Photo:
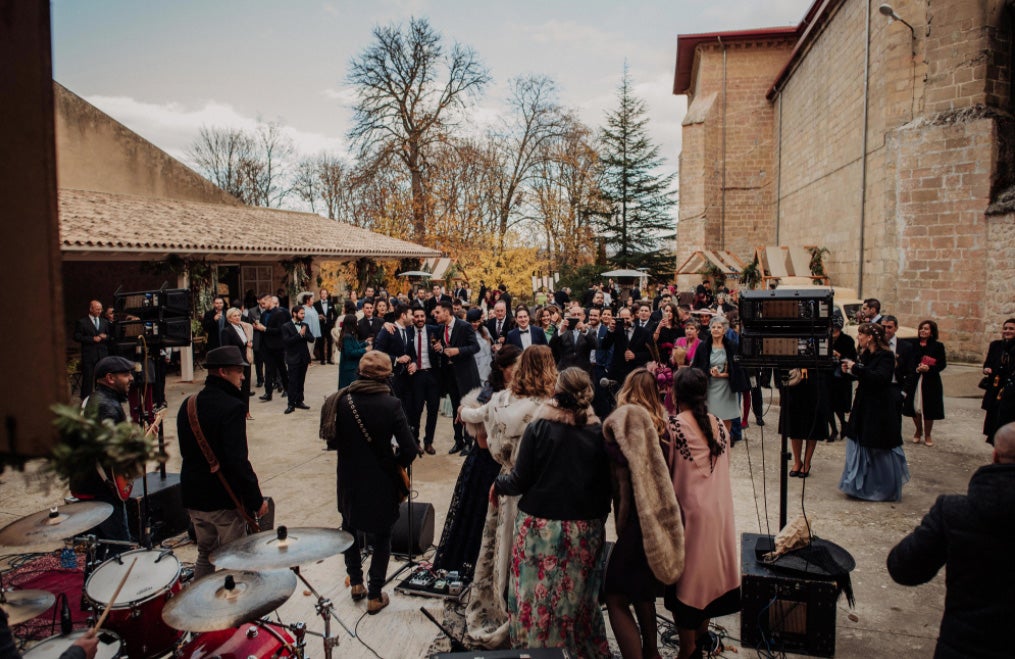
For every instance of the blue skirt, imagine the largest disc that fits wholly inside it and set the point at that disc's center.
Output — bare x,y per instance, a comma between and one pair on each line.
874,474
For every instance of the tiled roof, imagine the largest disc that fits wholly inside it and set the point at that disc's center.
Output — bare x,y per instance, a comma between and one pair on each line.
103,225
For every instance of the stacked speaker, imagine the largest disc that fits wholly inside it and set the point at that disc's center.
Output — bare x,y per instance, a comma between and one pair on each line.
787,328
160,317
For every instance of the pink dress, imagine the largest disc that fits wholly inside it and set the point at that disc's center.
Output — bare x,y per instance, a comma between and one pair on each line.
682,342
703,490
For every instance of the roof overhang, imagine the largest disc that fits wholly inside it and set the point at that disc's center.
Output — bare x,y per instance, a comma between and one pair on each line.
687,45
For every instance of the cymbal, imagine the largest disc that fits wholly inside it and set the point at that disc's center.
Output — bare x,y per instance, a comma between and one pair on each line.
50,527
23,605
228,598
281,548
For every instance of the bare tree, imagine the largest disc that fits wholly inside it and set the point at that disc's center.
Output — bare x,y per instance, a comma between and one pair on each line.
324,183
250,165
408,87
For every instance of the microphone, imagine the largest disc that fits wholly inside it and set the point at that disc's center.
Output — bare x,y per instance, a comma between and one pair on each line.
607,383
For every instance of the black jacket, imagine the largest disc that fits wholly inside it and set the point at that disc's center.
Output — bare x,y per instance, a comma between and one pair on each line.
213,328
738,379
110,406
876,418
617,340
562,472
273,328
568,351
973,534
369,327
327,319
462,365
367,496
506,326
85,333
296,351
221,411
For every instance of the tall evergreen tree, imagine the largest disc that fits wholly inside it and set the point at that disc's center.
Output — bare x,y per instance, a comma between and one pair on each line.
640,198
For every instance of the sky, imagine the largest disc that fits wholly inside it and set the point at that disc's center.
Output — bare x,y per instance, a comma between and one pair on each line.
165,69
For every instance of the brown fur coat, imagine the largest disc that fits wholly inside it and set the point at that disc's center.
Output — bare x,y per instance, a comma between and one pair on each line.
645,482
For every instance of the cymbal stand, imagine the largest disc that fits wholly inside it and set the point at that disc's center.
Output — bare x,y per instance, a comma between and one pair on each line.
326,609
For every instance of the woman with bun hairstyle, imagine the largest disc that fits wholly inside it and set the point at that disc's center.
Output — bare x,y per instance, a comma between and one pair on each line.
562,475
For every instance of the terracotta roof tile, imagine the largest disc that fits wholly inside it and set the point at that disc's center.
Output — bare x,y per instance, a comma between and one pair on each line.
151,227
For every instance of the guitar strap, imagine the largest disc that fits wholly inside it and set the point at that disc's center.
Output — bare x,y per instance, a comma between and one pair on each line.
213,462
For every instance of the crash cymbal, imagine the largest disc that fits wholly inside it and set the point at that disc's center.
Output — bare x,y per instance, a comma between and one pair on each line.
228,598
23,605
281,548
50,527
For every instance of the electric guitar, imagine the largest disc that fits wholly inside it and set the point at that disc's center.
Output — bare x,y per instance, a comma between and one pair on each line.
123,485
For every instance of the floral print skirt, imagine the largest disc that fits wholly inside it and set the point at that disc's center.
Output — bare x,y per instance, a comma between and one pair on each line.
554,586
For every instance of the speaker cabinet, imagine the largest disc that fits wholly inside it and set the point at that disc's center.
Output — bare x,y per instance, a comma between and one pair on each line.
782,613
422,528
167,512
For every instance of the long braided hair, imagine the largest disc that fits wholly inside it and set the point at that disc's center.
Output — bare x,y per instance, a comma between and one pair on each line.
690,389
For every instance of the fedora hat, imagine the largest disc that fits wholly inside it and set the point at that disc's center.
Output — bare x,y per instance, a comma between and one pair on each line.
224,356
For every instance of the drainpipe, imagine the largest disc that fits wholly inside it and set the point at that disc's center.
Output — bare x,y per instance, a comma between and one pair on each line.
863,145
778,175
722,214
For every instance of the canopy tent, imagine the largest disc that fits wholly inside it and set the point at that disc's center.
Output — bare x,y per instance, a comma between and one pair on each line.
786,264
700,259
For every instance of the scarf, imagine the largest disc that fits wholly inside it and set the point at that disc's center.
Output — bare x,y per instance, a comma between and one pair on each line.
329,411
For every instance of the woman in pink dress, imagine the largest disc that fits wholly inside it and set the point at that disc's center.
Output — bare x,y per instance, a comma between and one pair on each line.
698,454
689,341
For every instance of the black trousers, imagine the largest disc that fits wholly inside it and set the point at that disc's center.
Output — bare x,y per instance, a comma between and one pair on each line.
259,364
381,543
602,401
449,385
426,391
297,380
274,361
324,347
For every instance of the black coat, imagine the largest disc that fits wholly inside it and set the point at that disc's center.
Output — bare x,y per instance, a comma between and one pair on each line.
221,411
876,418
840,385
367,494
296,351
738,378
109,405
617,340
567,351
85,333
932,389
369,327
462,365
506,326
972,534
213,328
273,328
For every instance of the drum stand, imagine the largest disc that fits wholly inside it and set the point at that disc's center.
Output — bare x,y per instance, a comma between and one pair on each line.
326,609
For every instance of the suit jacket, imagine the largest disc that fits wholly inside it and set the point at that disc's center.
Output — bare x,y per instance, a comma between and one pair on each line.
617,340
506,326
431,304
463,365
273,329
369,327
229,337
254,316
213,328
514,337
85,333
904,358
393,346
296,351
327,318
571,352
604,356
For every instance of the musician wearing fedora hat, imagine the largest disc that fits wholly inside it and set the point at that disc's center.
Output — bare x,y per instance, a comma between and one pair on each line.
216,416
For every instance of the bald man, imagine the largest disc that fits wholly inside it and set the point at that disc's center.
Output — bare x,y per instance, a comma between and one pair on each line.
974,535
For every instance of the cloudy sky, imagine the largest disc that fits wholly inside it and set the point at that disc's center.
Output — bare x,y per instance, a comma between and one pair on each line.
164,69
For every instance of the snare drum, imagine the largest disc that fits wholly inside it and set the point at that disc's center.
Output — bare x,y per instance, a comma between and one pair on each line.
259,640
137,614
110,646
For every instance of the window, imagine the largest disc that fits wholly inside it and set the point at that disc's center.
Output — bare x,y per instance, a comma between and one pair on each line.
257,278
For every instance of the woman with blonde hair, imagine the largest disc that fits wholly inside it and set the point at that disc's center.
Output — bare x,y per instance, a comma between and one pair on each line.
649,551
522,381
562,475
240,334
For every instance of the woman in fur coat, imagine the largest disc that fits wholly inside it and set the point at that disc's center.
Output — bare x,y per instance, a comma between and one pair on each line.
502,420
650,532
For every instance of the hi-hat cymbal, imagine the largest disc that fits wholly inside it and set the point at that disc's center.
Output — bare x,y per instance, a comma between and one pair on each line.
228,598
281,548
50,527
23,605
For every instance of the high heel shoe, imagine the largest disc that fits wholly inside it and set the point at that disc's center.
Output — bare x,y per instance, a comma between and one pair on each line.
928,441
917,439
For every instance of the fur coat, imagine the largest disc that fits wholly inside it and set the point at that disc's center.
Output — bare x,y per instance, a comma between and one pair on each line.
645,483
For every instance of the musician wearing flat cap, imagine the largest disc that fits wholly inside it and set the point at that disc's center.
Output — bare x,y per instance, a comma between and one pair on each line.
216,418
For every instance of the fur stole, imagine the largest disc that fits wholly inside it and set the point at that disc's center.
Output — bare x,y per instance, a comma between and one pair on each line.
553,412
471,401
647,480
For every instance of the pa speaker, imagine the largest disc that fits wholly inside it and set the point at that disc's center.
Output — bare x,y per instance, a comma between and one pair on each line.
167,512
422,517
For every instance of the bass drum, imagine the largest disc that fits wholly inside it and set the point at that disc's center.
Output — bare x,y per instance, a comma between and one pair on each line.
257,640
137,613
110,646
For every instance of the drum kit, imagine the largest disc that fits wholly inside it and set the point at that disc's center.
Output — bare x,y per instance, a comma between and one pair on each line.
144,609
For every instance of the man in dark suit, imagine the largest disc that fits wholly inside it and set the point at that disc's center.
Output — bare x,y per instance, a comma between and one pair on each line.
457,344
436,298
630,346
213,322
254,317
524,335
92,332
424,372
460,293
571,345
904,356
273,347
398,345
328,313
599,359
499,324
369,325
295,337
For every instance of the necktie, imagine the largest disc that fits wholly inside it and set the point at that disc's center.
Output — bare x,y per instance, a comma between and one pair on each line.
402,332
447,334
96,323
419,349
500,325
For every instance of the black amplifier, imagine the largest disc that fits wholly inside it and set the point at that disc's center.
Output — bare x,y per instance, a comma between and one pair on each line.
169,332
782,613
780,349
787,307
148,304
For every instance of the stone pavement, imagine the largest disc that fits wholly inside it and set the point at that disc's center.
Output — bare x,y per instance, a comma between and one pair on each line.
891,620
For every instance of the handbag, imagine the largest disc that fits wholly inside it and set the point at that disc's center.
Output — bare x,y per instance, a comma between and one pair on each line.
795,376
401,479
213,464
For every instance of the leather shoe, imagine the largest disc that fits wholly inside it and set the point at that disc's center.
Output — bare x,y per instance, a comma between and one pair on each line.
455,449
429,449
250,393
302,406
260,383
374,606
266,397
285,394
359,591
419,449
290,409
